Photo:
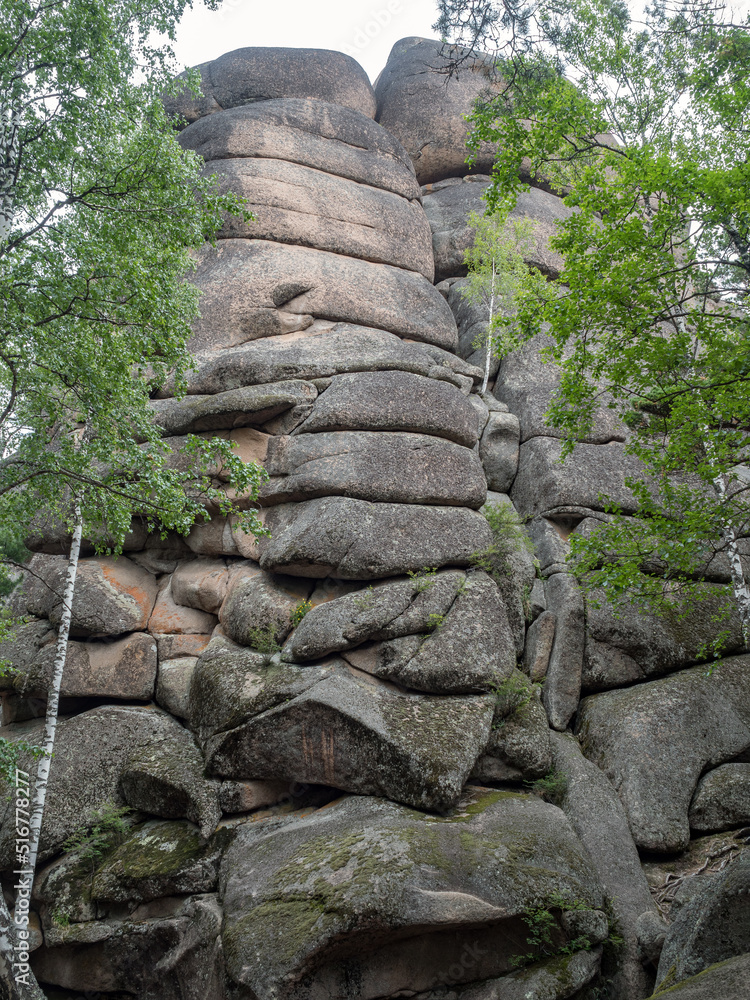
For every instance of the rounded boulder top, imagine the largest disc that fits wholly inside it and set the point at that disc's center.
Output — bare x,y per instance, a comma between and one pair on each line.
423,93
248,75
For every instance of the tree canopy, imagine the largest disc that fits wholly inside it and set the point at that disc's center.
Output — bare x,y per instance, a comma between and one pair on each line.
641,122
99,208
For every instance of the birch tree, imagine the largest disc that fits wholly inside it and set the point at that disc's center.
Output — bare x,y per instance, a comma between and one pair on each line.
651,308
99,210
499,279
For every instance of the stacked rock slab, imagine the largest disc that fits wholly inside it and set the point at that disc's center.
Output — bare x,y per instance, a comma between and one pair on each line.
326,736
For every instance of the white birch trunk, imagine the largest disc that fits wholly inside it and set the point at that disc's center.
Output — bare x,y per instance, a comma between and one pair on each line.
8,156
53,699
15,981
488,351
739,583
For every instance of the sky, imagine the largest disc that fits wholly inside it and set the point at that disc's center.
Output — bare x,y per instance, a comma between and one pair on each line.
364,29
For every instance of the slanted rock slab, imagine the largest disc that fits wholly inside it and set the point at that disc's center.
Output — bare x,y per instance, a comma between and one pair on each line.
654,740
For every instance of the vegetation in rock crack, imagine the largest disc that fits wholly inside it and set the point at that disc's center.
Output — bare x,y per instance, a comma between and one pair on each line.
365,599
264,638
435,621
551,786
508,536
544,931
297,614
512,694
106,827
639,121
499,280
422,579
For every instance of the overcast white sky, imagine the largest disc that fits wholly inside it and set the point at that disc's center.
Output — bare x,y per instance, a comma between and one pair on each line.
365,29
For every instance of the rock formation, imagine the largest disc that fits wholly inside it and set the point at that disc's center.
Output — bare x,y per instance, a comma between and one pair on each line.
332,740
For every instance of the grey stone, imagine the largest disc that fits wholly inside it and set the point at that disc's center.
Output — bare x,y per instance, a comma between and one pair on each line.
447,208
260,73
722,799
724,979
365,863
167,950
159,859
393,401
123,669
425,107
201,584
164,777
245,796
174,647
498,450
111,596
626,643
326,351
654,740
387,610
348,730
305,207
357,540
598,818
173,683
514,568
470,649
539,641
651,931
528,382
379,466
711,927
562,687
537,600
91,752
232,683
550,537
247,406
553,979
252,289
592,473
520,737
169,617
326,137
260,607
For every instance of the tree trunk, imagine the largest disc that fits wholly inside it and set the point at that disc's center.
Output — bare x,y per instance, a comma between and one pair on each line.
53,699
488,351
739,583
8,157
25,987
16,982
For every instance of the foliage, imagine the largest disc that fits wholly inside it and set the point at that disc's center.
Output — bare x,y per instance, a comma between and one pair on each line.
106,827
641,124
542,925
508,536
499,280
298,613
551,786
264,638
435,622
99,208
422,579
512,694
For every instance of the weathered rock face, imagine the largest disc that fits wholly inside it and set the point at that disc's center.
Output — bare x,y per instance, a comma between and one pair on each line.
378,898
424,106
245,76
329,738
